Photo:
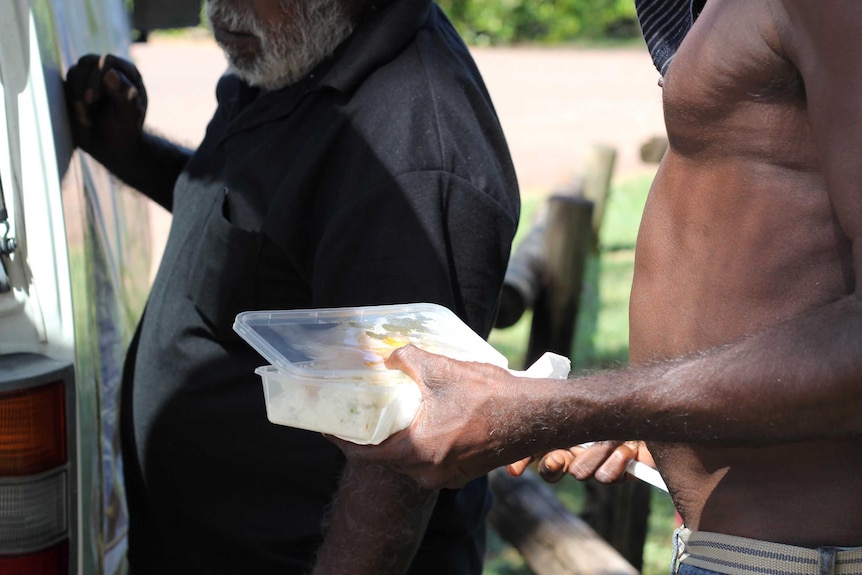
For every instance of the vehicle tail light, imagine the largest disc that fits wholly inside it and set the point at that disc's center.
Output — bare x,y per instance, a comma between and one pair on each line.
52,561
32,511
34,467
32,430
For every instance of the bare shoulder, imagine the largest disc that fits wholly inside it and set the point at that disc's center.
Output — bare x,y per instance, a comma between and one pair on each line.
736,43
728,67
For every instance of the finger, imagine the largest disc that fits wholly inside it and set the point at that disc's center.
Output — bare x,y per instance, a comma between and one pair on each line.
79,87
591,459
111,62
517,469
93,82
123,96
554,465
642,453
118,87
80,114
80,74
128,97
614,467
131,74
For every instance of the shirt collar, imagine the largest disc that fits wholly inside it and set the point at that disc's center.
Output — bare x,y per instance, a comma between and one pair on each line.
378,38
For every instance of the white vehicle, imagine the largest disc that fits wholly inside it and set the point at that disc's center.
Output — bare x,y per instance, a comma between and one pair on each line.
74,268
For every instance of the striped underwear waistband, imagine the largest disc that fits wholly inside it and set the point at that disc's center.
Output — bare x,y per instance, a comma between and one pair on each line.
741,556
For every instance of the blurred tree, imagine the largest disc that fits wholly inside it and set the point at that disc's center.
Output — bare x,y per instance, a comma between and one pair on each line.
543,21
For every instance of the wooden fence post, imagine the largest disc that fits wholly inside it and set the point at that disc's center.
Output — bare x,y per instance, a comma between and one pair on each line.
596,186
568,239
552,540
619,513
522,282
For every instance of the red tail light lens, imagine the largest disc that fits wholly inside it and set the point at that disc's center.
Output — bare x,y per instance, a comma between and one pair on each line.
52,561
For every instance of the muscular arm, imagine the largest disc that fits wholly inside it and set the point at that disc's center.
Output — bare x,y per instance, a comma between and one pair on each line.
477,417
756,391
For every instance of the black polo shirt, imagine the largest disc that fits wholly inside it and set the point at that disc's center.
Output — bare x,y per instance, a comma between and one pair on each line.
383,177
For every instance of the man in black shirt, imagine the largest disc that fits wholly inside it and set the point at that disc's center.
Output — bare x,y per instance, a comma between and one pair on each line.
355,158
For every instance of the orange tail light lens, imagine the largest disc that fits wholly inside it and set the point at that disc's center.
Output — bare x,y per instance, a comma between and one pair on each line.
32,430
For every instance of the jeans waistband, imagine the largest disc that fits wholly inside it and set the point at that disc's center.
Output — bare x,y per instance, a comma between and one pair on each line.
733,555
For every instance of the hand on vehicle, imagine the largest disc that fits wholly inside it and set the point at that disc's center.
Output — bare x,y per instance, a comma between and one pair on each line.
604,461
457,434
107,104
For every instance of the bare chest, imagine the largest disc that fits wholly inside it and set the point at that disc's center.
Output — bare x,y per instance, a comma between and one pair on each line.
738,231
729,90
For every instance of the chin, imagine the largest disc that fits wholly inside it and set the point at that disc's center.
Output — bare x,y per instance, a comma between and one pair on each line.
267,72
256,79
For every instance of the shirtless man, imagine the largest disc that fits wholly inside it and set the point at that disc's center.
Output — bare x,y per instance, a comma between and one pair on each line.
746,319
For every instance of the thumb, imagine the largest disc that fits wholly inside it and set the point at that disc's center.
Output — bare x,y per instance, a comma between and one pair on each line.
407,359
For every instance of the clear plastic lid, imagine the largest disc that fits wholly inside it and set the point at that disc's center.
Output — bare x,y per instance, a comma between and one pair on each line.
345,343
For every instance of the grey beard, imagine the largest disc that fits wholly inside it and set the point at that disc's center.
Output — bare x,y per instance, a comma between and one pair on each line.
290,49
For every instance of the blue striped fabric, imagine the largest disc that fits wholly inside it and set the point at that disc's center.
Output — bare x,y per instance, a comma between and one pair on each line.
732,555
664,24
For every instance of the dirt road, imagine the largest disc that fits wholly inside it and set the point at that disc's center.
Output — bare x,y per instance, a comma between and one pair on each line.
553,103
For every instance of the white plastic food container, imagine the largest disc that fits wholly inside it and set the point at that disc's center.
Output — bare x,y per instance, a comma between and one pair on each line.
327,371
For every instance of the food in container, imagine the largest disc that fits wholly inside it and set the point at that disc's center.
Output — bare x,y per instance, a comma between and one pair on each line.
327,372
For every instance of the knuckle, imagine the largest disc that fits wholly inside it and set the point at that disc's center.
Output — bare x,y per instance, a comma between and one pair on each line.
580,470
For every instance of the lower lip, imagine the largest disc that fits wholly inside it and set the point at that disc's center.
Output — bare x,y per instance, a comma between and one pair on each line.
226,37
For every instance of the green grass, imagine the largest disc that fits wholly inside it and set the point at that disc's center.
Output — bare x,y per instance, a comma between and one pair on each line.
601,340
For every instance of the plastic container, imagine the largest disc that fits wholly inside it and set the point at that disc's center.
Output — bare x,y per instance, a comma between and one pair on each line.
327,371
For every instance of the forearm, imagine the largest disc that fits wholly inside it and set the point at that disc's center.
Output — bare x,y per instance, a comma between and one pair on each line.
377,521
798,380
151,165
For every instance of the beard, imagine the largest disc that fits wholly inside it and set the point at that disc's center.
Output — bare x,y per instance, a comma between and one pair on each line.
286,48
